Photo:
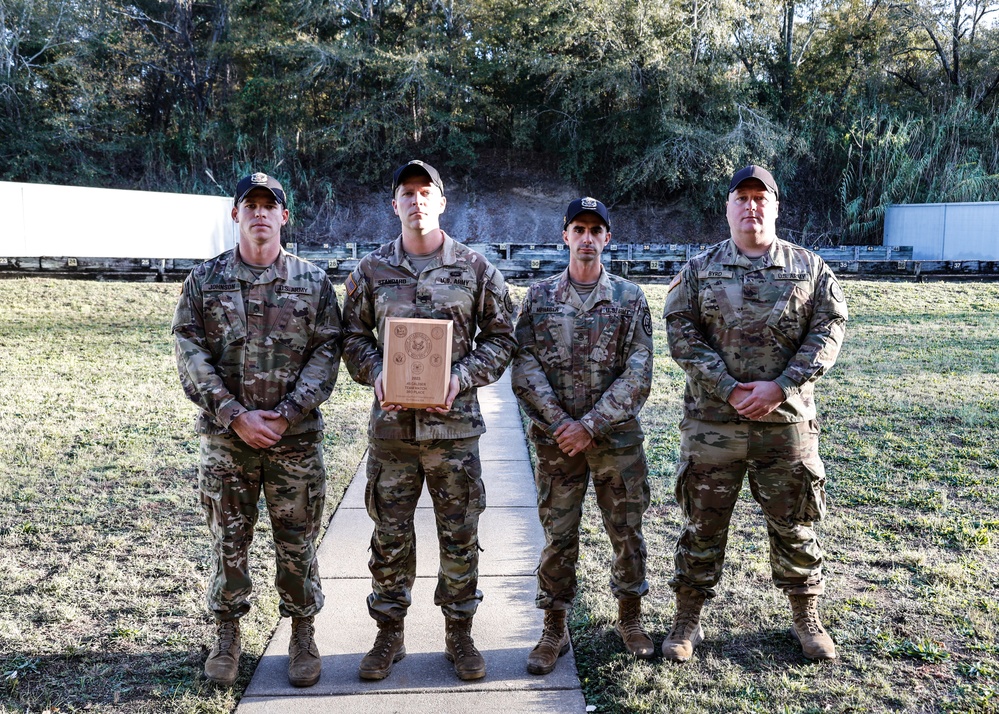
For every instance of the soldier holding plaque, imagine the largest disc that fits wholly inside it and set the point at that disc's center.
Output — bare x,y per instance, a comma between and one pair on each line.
582,374
424,275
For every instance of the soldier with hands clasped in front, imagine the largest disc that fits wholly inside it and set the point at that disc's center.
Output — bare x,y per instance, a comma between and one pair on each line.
424,273
257,334
582,373
754,321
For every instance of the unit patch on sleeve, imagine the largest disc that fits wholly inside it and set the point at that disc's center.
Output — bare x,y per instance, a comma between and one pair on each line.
350,285
647,322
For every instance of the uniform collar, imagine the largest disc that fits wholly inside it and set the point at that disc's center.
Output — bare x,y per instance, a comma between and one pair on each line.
603,290
238,270
448,250
730,255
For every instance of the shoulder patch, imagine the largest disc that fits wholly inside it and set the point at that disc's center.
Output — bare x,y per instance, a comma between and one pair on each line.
350,285
647,322
674,282
837,291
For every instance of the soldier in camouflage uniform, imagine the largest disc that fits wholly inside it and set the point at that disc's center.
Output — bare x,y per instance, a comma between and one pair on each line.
258,348
582,373
424,273
754,321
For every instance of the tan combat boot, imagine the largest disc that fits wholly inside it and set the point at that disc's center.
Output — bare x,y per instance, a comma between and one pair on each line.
553,644
629,627
815,642
389,648
222,664
304,663
459,648
686,633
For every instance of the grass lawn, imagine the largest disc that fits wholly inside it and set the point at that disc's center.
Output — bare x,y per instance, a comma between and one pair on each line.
910,419
102,544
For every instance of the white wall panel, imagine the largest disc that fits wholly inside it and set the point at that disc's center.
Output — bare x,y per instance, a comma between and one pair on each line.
46,220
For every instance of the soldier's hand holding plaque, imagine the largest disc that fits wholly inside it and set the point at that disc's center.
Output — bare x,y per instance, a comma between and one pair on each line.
416,366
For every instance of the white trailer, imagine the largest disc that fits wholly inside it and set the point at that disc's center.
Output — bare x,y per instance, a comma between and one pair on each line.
45,220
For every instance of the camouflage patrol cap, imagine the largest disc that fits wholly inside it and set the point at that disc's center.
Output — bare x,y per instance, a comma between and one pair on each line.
754,172
583,205
260,180
416,167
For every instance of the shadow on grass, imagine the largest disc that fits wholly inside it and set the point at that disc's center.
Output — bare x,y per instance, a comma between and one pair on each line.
129,682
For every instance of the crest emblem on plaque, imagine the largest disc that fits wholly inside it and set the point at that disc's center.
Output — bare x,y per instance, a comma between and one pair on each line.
418,345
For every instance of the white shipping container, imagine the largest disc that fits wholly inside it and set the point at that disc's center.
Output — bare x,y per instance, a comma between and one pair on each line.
945,231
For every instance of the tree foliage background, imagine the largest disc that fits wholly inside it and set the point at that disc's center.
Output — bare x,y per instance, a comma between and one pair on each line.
857,104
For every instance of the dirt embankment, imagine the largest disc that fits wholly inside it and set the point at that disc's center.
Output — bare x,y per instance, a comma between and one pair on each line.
513,207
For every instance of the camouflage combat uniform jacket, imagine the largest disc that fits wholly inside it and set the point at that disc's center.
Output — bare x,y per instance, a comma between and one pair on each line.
590,361
279,350
730,322
459,285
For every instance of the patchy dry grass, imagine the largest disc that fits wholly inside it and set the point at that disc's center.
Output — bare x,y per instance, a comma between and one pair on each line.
102,547
102,544
910,431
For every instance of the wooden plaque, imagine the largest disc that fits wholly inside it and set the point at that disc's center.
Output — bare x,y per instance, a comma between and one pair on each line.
416,362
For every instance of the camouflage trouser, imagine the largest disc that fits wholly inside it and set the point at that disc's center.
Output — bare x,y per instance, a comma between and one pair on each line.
396,471
787,479
294,482
620,482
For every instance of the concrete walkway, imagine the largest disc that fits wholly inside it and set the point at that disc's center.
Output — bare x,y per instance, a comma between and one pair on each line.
506,627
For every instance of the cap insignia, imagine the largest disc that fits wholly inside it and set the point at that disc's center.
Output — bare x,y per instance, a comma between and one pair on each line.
588,202
259,179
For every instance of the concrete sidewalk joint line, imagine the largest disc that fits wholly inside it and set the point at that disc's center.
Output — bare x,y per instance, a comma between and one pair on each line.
507,623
